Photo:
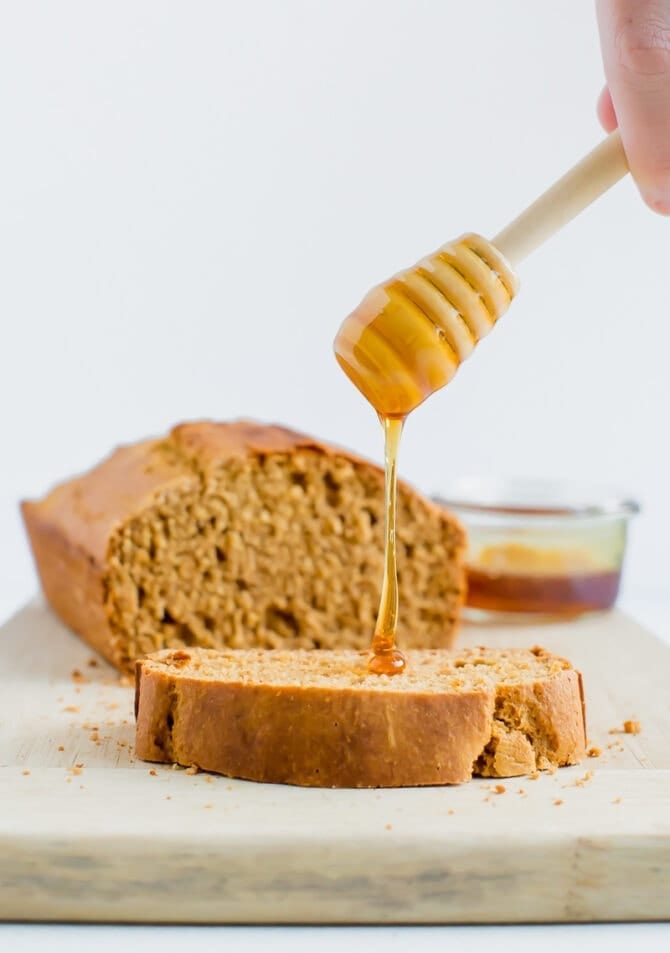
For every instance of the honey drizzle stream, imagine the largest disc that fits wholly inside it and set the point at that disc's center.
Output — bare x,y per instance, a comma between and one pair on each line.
403,342
386,659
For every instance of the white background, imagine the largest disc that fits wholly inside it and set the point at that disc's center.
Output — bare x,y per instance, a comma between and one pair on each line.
193,196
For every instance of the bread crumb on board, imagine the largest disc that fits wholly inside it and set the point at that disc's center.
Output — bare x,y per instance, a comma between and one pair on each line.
153,772
26,772
580,782
617,800
558,801
500,789
192,769
617,745
594,751
631,726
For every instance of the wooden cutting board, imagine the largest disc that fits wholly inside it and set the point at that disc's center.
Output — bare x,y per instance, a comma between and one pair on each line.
87,833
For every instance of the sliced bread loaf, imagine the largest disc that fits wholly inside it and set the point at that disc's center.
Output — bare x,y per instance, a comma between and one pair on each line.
239,535
319,719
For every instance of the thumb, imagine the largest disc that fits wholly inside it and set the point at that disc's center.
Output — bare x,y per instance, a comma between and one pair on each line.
635,39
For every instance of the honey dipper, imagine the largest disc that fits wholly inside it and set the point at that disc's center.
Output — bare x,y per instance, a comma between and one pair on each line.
409,335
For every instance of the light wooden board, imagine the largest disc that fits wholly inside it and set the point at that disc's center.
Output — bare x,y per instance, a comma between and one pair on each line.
116,842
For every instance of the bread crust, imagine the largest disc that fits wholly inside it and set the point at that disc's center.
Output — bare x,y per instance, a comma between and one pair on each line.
312,737
70,529
354,737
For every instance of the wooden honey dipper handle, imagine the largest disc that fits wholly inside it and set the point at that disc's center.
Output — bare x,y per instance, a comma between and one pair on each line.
583,184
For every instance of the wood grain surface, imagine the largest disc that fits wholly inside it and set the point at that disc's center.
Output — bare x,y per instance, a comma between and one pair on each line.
88,833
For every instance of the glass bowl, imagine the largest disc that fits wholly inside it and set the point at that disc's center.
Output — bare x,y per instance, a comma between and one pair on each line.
540,548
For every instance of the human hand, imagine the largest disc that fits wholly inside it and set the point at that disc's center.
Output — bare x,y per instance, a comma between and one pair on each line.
635,41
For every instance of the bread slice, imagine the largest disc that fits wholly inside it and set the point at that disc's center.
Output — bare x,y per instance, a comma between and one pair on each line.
239,535
318,719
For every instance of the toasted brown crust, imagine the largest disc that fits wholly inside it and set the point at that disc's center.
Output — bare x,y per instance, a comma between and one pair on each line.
72,581
341,736
71,528
315,737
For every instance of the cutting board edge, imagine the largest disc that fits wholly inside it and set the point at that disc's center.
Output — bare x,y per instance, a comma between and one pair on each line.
576,882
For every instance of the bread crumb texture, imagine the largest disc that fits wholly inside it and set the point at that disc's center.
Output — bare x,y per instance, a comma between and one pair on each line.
276,551
320,719
240,535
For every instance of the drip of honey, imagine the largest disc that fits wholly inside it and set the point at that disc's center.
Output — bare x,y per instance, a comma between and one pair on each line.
386,659
405,341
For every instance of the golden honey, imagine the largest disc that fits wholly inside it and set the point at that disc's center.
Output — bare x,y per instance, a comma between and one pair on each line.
408,337
386,659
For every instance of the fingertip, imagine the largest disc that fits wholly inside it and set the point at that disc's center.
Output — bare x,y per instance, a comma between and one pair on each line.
658,200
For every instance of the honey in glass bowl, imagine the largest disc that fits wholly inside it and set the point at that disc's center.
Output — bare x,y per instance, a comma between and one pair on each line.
540,549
